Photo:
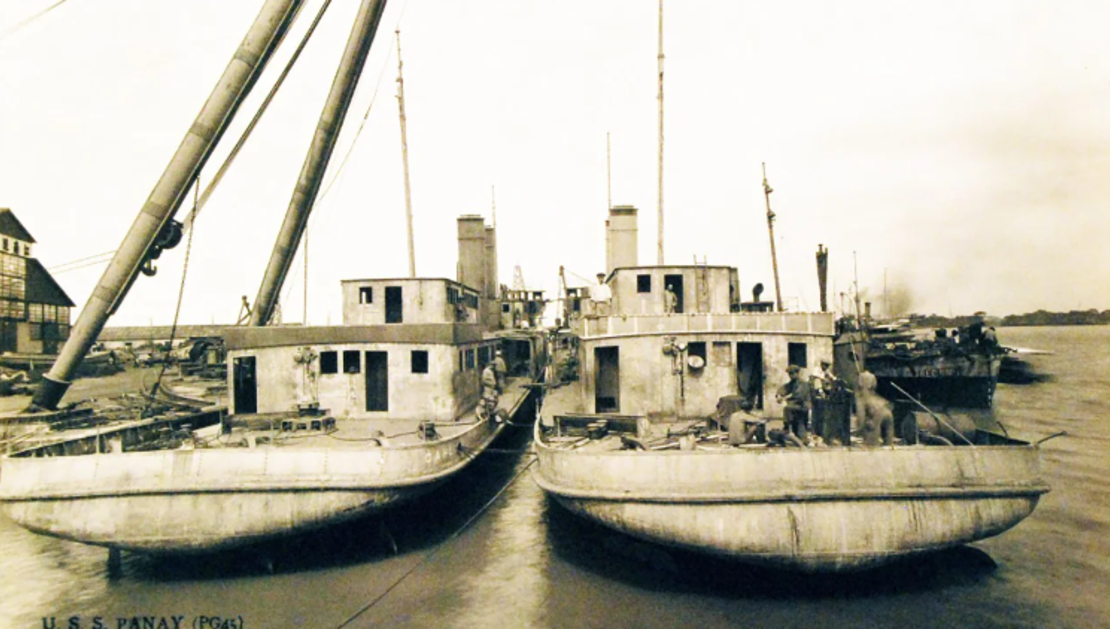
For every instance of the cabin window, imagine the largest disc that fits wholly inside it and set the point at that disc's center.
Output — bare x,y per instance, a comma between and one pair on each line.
419,361
697,348
470,359
6,245
350,361
643,283
796,354
462,360
505,308
27,250
366,294
329,362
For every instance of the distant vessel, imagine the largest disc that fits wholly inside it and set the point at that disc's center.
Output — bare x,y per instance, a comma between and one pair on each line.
941,370
633,437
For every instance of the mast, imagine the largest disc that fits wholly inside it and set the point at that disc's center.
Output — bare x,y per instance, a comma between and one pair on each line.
316,162
660,132
405,154
767,190
608,171
155,228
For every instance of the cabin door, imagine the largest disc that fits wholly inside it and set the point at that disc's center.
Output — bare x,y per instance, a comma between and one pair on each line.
749,371
607,386
246,385
675,282
394,312
9,337
377,380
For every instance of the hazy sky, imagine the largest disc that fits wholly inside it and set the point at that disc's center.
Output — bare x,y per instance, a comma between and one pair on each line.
960,147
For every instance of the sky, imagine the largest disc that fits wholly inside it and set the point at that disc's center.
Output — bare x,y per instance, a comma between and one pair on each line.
951,155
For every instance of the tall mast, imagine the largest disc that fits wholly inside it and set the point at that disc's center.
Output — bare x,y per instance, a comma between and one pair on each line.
405,154
316,162
767,190
660,132
155,222
608,172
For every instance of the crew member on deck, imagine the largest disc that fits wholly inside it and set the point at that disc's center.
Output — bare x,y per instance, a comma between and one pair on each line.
490,393
500,371
670,300
795,394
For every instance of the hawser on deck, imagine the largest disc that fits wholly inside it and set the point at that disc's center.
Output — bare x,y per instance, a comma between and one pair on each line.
642,437
326,423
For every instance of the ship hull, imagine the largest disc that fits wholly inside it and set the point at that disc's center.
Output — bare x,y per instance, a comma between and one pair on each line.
827,510
187,501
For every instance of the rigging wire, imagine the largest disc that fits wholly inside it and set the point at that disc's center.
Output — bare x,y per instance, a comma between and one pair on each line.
313,222
218,177
180,291
58,267
423,560
18,26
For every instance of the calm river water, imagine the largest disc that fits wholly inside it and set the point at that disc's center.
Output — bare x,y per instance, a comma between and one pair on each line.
524,562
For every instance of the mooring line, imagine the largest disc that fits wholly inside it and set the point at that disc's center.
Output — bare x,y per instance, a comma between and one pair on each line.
365,608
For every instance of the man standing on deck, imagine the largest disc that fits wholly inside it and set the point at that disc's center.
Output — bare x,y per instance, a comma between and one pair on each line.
795,394
490,394
500,371
670,303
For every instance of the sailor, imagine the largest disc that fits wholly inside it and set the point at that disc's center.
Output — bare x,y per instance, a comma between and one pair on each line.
876,418
490,393
989,340
670,302
822,384
822,379
796,397
744,427
500,371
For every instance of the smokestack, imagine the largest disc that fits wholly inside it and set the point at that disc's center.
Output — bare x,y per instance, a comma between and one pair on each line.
823,275
492,296
472,252
622,238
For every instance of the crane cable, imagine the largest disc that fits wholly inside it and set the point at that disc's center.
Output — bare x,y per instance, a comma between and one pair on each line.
18,26
218,177
180,296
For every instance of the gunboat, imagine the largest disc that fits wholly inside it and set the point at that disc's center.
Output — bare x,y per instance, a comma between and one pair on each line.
632,434
324,423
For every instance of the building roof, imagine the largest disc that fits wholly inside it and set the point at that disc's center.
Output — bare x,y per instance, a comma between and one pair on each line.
41,287
10,226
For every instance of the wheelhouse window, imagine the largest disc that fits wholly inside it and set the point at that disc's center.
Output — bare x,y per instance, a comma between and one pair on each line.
366,294
643,283
419,361
796,354
329,362
351,362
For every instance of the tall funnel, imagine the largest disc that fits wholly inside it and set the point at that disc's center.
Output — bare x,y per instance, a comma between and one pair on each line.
622,237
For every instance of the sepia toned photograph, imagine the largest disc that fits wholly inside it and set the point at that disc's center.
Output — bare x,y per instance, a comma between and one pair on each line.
522,313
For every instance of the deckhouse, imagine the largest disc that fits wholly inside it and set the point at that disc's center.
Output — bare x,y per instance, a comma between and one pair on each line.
408,348
647,352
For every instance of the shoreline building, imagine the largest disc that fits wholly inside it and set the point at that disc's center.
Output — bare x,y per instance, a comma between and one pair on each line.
34,310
